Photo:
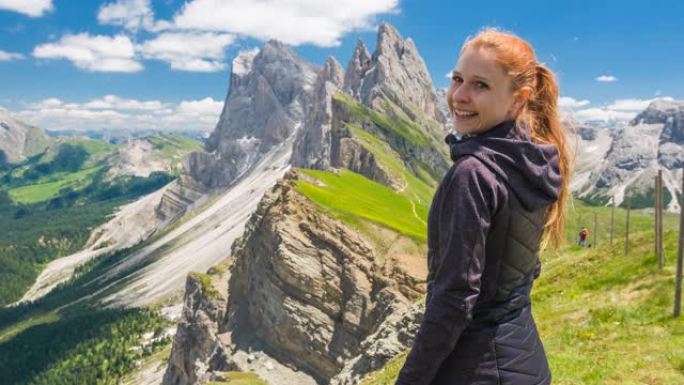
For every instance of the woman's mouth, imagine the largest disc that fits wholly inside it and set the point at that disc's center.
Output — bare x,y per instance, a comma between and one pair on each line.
462,116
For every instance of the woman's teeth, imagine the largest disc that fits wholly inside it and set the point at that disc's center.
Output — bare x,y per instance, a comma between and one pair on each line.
465,113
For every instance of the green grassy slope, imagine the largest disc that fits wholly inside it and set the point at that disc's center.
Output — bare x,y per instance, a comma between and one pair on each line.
354,198
605,318
50,202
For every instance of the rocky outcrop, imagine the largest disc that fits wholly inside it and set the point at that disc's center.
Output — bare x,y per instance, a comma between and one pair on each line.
312,147
198,349
303,294
394,337
19,140
309,287
269,97
348,152
443,106
179,195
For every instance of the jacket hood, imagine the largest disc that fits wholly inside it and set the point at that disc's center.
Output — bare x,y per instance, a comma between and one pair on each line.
531,170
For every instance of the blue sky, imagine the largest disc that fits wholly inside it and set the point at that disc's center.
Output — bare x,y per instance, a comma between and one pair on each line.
141,63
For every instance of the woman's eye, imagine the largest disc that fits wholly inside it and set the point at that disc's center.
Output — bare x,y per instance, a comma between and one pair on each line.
456,78
482,85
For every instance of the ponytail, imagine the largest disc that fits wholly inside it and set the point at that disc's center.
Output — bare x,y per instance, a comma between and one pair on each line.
541,115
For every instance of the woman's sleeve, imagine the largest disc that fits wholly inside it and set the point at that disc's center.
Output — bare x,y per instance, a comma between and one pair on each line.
465,212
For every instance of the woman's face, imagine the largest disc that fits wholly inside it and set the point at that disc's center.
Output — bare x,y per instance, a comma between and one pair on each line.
480,92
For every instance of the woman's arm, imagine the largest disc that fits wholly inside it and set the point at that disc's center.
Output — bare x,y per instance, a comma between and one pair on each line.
465,211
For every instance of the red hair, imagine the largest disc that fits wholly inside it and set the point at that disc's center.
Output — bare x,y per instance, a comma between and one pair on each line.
539,111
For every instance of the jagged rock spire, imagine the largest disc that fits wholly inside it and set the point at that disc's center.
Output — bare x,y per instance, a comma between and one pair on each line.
358,65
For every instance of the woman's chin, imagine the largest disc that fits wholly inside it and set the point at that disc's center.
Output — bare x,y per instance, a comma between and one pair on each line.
463,128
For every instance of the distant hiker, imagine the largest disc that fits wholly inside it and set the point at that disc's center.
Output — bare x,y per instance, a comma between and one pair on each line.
582,240
500,203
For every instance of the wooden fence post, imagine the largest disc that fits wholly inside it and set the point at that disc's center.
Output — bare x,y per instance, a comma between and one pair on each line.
659,219
680,254
595,232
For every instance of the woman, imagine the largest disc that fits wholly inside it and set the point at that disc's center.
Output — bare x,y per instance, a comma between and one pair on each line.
506,189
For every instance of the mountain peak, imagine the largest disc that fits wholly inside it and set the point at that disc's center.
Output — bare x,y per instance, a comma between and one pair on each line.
396,71
268,100
388,38
666,111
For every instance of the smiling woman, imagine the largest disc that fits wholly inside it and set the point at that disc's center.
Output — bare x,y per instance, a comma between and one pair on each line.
486,225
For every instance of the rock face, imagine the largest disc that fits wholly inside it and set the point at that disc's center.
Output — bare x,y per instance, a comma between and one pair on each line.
614,162
197,347
309,287
19,140
179,195
303,287
393,337
670,113
312,147
358,65
270,94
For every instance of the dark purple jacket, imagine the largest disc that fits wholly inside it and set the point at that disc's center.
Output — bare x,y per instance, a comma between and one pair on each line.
484,228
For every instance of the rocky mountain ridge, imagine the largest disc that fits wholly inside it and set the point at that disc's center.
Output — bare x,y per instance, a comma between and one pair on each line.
614,162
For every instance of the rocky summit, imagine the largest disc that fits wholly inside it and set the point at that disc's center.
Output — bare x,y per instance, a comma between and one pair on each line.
621,161
269,98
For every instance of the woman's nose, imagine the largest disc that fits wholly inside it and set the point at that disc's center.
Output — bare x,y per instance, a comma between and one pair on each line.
460,94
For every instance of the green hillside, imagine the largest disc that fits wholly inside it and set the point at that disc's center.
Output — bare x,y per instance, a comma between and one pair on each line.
50,202
605,318
354,198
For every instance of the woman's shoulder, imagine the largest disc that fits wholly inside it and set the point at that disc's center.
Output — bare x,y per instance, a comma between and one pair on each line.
469,176
471,167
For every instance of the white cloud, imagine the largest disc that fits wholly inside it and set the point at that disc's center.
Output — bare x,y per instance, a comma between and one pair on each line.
115,102
32,8
318,22
93,53
114,112
9,56
191,51
618,110
130,14
632,104
606,78
602,114
568,102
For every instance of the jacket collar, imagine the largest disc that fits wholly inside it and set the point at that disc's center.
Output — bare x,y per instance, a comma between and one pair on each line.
506,129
